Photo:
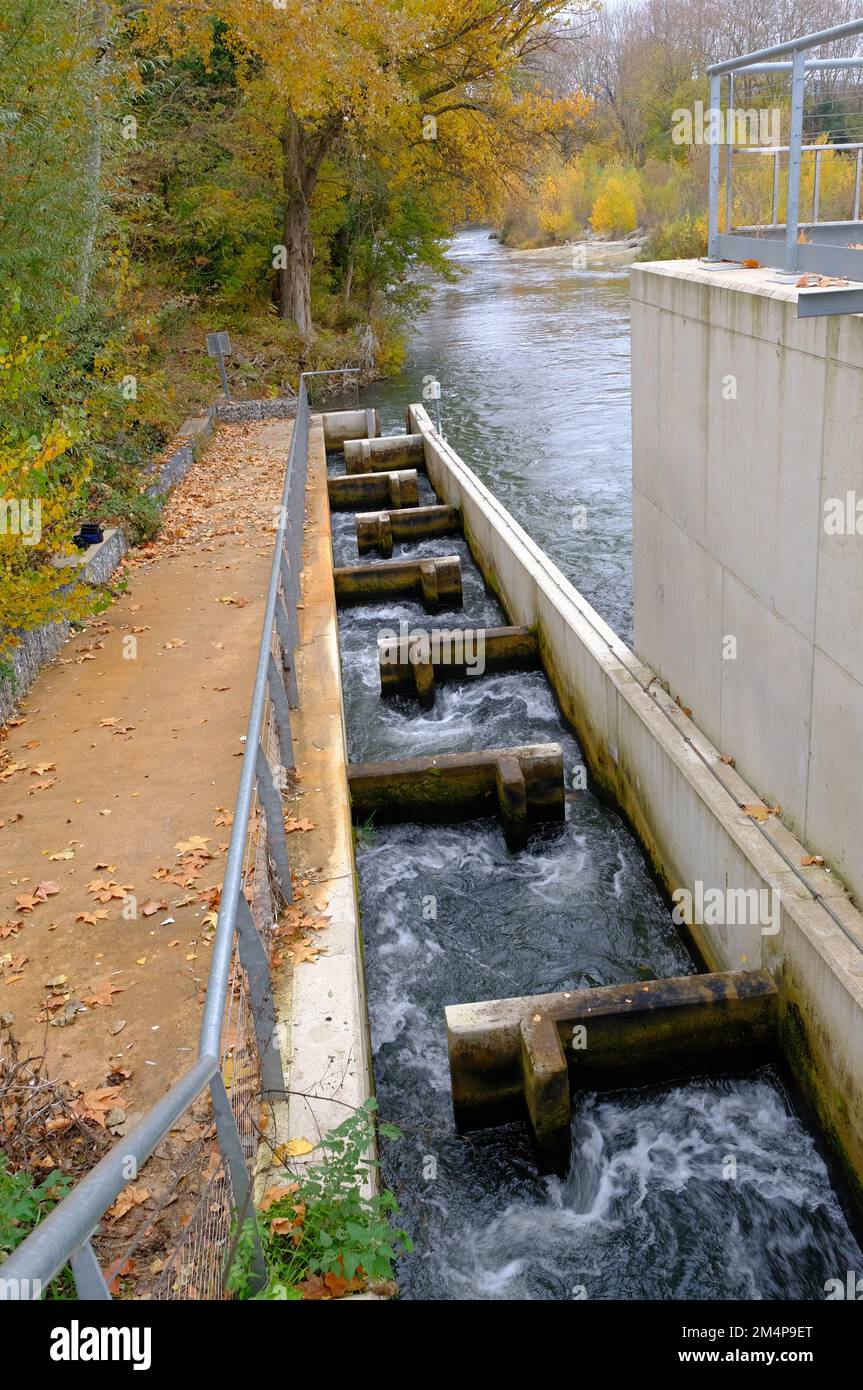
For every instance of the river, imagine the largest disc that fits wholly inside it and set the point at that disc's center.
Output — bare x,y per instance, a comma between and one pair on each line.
532,355
710,1189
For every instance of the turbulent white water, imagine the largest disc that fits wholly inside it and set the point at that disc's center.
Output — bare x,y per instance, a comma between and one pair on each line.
647,1213
709,1189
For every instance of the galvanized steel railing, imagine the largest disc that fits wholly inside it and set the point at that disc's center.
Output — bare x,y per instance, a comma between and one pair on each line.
239,949
798,244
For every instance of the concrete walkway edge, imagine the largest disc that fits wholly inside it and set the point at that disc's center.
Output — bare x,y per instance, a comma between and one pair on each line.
321,1005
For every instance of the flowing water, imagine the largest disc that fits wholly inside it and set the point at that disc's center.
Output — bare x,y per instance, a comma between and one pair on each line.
533,359
710,1189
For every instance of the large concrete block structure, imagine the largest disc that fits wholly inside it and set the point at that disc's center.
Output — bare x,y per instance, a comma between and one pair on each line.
748,533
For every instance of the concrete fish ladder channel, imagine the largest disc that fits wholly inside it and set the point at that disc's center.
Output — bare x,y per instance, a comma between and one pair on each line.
638,748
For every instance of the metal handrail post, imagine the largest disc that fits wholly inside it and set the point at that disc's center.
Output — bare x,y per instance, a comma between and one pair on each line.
256,964
795,140
270,795
90,1282
281,713
713,206
231,1149
729,152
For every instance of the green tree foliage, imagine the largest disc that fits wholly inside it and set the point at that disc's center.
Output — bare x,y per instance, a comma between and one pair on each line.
43,472
45,93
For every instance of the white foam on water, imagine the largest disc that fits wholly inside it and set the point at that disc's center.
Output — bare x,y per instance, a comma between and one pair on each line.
619,875
645,1211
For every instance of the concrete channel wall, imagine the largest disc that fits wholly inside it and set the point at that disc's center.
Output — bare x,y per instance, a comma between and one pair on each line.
687,808
747,426
321,1007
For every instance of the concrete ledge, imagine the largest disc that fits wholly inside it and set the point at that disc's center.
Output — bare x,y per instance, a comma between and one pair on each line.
398,489
384,453
378,530
681,1022
435,582
509,1055
686,806
321,1005
98,562
341,425
414,664
523,785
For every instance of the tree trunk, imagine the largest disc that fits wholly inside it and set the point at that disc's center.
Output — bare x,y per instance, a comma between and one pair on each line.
347,284
296,275
93,155
303,152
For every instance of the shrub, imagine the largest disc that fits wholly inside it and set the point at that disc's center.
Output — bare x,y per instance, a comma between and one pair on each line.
24,1202
324,1233
44,471
614,211
680,239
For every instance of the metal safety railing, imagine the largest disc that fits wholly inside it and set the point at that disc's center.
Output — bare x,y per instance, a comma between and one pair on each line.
811,181
239,1010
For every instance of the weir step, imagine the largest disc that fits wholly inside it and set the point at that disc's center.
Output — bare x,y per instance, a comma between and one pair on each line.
342,425
375,455
522,785
435,582
378,530
412,663
395,489
508,1056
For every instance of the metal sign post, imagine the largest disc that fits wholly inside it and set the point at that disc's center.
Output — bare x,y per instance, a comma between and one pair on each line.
219,346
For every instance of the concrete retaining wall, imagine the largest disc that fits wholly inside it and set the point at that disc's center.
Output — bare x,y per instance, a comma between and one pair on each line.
685,805
746,423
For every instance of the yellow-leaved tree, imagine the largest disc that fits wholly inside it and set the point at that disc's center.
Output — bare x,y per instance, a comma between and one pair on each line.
563,203
42,480
444,86
614,211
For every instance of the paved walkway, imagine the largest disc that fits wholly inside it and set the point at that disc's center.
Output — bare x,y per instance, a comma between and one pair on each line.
117,786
